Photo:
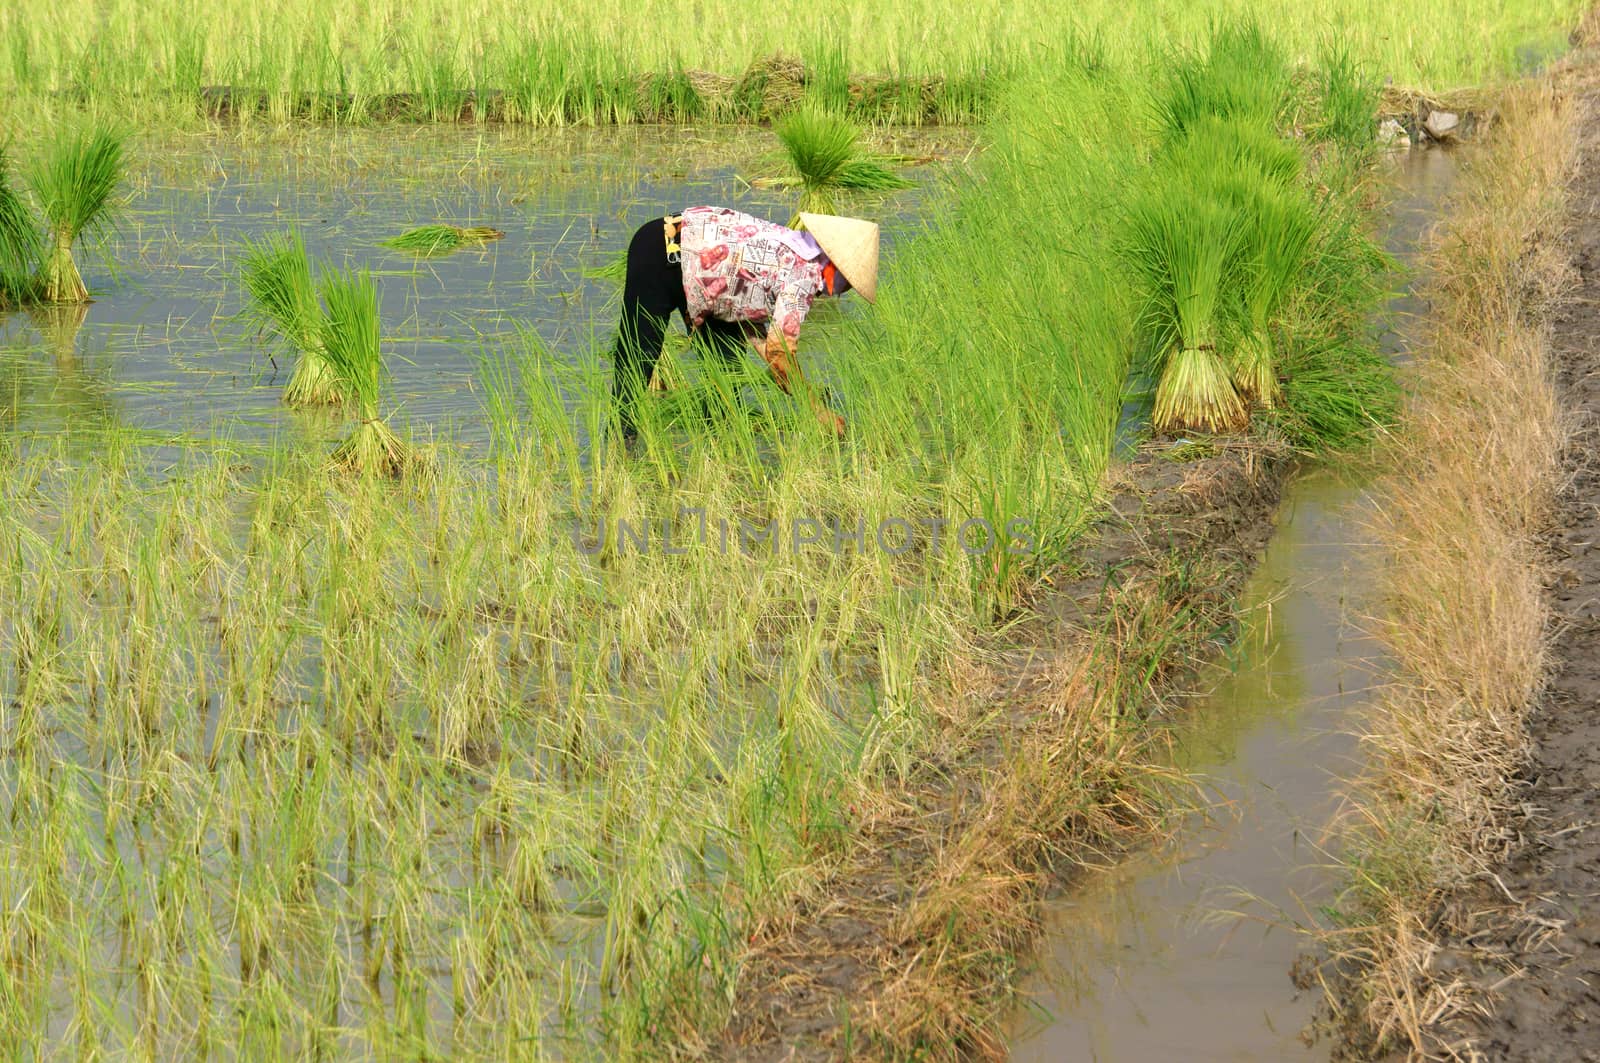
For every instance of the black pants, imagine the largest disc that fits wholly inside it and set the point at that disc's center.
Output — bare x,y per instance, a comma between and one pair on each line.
652,291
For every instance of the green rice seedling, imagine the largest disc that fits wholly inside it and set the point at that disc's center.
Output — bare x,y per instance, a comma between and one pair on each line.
1243,75
1347,105
351,343
283,297
1279,225
186,59
442,239
74,183
671,96
19,240
827,75
1183,246
437,79
821,148
613,270
1219,147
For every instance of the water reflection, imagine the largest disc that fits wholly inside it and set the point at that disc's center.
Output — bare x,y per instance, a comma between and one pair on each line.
49,381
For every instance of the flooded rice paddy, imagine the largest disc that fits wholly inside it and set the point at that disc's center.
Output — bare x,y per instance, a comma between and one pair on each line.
213,851
163,353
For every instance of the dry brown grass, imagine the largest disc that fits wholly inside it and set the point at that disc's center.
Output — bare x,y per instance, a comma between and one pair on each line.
1474,477
1075,788
1587,33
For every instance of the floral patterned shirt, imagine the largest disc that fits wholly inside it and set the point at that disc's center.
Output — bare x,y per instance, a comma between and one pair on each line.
741,269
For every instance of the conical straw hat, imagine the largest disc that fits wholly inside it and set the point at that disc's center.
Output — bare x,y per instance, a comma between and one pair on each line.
851,245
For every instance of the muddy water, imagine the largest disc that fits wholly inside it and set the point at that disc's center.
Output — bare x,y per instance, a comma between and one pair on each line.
1187,954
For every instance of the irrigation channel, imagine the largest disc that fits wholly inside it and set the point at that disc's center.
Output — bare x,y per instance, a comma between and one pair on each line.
164,353
1188,953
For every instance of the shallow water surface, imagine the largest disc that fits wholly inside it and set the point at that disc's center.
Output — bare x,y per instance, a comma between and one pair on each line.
1153,960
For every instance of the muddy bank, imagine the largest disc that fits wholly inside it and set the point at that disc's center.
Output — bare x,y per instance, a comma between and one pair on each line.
1532,962
909,943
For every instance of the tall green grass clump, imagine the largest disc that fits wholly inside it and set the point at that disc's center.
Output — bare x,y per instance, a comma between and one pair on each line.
353,348
74,183
1243,75
283,297
972,366
19,240
822,148
1337,386
1347,100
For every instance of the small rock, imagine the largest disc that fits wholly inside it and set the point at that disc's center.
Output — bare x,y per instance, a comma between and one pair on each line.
1441,125
1391,134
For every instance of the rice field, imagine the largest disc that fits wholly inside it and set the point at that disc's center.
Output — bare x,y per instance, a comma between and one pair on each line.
616,62
501,756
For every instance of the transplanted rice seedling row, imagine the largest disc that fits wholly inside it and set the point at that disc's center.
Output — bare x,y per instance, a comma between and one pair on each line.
669,60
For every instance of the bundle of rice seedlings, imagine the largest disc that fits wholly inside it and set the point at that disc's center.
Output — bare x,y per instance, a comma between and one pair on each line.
283,298
351,344
19,241
74,183
1279,224
1183,246
1243,75
1215,145
442,239
822,149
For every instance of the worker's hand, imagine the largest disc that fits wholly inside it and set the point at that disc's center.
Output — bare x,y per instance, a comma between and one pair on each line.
831,421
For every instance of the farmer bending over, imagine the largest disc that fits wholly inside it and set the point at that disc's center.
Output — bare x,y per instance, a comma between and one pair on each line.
735,278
